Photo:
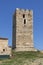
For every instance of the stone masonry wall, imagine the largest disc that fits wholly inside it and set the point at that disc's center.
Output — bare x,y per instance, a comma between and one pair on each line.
4,49
24,30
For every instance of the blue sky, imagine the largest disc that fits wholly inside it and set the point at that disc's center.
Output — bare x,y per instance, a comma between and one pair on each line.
7,8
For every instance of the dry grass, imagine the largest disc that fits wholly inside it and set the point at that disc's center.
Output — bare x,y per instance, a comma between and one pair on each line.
24,58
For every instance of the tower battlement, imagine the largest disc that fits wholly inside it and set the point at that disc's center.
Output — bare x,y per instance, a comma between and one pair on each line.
23,30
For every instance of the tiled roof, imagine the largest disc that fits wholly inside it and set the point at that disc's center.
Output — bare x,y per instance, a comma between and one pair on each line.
3,38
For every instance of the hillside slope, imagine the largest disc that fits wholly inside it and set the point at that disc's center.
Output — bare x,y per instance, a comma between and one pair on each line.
24,58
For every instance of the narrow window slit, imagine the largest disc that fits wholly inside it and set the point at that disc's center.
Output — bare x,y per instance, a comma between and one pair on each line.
24,21
23,15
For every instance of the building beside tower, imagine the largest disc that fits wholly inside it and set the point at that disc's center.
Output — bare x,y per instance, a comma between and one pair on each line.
22,39
4,48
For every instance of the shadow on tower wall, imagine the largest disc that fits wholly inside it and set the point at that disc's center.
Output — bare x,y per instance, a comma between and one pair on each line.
14,32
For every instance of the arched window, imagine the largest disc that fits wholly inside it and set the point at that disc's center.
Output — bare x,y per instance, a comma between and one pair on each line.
23,15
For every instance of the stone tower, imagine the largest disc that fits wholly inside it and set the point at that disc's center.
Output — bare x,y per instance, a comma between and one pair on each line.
23,30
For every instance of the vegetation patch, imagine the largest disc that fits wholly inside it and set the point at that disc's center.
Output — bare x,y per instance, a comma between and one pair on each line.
22,58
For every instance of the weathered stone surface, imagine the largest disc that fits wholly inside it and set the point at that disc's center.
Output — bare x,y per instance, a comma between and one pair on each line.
4,48
23,30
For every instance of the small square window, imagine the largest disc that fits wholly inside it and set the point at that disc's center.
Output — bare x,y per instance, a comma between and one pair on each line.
3,49
23,15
